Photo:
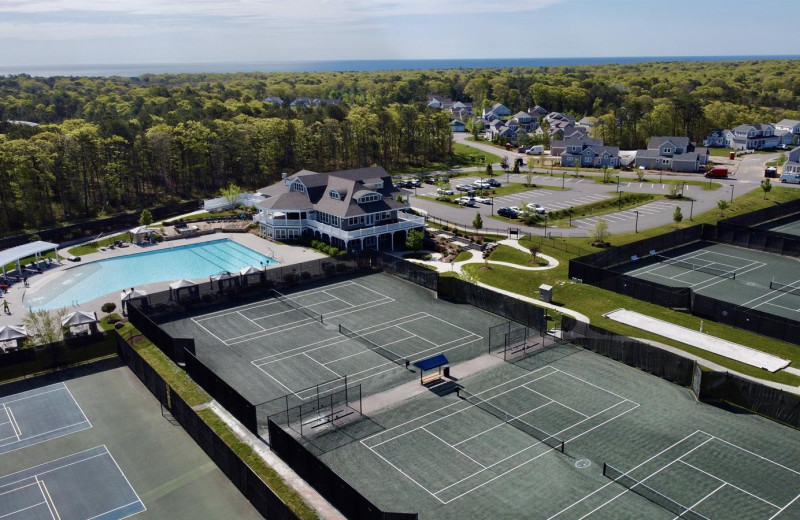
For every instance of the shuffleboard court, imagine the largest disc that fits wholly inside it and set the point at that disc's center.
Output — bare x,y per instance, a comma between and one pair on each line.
35,416
88,485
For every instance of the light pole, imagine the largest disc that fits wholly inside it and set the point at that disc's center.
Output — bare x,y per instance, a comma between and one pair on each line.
691,209
732,193
492,205
563,176
683,185
660,175
617,182
619,204
636,228
545,224
570,215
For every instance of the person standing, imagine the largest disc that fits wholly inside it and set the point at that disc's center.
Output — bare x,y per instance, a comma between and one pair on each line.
5,307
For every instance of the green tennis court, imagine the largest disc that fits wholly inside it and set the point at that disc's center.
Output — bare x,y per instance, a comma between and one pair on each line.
635,446
789,225
741,276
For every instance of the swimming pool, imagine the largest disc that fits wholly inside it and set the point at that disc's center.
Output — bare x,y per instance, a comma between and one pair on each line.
87,282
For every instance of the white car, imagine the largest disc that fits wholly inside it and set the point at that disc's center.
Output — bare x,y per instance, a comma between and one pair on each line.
483,200
482,184
536,208
444,191
515,209
465,201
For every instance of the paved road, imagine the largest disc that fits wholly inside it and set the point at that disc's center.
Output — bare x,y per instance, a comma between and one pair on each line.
748,173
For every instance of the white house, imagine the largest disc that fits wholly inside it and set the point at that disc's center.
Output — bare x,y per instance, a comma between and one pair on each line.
350,209
792,164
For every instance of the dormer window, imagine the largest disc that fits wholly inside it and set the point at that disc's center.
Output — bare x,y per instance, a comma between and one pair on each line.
372,197
298,186
334,195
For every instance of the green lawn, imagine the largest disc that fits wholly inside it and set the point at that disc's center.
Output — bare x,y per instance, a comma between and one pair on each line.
706,185
93,247
462,256
467,155
779,161
595,302
512,255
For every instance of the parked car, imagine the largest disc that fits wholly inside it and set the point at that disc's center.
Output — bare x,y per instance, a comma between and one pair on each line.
444,191
465,187
483,184
538,208
771,172
415,183
719,172
430,180
442,179
507,212
483,200
516,209
465,201
494,183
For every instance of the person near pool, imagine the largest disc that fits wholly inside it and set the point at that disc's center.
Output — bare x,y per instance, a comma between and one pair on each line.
5,307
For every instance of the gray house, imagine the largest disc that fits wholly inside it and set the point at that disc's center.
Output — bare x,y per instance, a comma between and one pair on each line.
791,125
273,100
573,145
591,157
792,164
760,136
715,139
671,153
350,209
456,125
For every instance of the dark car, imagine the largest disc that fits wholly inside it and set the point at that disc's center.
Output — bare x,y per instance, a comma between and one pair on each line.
430,180
416,183
507,212
494,182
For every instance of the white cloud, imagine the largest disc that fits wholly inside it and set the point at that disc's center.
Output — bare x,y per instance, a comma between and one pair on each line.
276,11
70,31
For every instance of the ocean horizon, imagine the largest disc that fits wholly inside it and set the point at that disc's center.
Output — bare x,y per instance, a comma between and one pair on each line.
139,69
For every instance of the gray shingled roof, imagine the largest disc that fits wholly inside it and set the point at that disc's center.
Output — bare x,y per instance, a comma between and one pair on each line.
656,141
289,200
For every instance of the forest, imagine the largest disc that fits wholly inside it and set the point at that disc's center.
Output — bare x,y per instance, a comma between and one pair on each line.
107,144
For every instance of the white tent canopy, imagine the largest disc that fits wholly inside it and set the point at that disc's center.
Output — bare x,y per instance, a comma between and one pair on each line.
14,254
250,270
180,284
132,294
222,276
142,230
11,332
79,318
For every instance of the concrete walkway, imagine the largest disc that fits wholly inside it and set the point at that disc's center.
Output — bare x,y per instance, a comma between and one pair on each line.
477,258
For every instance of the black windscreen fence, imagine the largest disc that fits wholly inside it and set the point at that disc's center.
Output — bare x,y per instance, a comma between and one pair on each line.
39,359
173,348
751,395
653,360
222,392
264,500
744,230
514,309
745,318
410,271
331,486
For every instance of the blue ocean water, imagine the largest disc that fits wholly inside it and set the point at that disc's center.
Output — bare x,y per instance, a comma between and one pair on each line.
131,70
92,280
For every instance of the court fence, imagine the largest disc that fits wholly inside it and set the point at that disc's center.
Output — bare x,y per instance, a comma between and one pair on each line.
41,359
331,486
597,270
770,402
740,231
173,348
653,360
401,268
263,499
514,309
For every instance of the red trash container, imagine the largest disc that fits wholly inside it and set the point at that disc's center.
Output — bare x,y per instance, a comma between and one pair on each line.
732,156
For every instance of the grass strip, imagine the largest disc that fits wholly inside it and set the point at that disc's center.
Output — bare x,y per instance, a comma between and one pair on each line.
190,392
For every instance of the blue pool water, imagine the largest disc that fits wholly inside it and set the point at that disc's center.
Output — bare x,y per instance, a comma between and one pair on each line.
87,282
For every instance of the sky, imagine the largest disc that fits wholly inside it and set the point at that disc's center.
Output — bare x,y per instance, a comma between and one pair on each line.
48,32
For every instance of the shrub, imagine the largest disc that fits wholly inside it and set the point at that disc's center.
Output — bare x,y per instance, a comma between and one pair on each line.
108,307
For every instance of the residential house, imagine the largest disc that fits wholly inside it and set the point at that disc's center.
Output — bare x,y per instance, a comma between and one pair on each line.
558,116
538,111
525,120
587,153
671,153
273,100
303,102
456,125
559,146
489,115
791,125
327,101
574,132
439,102
760,136
792,164
350,209
501,110
587,122
715,139
786,137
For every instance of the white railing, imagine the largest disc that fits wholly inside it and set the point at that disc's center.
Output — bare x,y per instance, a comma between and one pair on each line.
282,222
405,221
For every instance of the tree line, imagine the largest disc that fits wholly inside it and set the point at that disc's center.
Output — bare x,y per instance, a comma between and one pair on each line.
108,144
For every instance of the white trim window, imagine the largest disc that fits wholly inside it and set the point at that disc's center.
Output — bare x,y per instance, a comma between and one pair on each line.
298,186
334,195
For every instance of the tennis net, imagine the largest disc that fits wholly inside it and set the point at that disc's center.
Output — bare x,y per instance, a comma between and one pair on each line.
697,267
296,306
536,433
785,287
383,351
651,494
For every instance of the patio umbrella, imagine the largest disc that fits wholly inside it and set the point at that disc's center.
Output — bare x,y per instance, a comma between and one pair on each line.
79,318
11,332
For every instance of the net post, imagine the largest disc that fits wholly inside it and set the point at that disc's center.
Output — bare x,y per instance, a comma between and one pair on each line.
562,447
458,392
604,469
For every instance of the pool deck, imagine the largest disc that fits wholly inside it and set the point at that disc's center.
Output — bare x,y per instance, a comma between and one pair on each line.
284,254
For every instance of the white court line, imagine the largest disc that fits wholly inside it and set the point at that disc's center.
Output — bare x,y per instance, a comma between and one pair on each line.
321,364
358,353
729,484
451,446
14,424
79,406
44,497
604,504
40,435
691,507
784,508
60,387
53,469
138,498
21,510
558,403
628,472
484,432
123,506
